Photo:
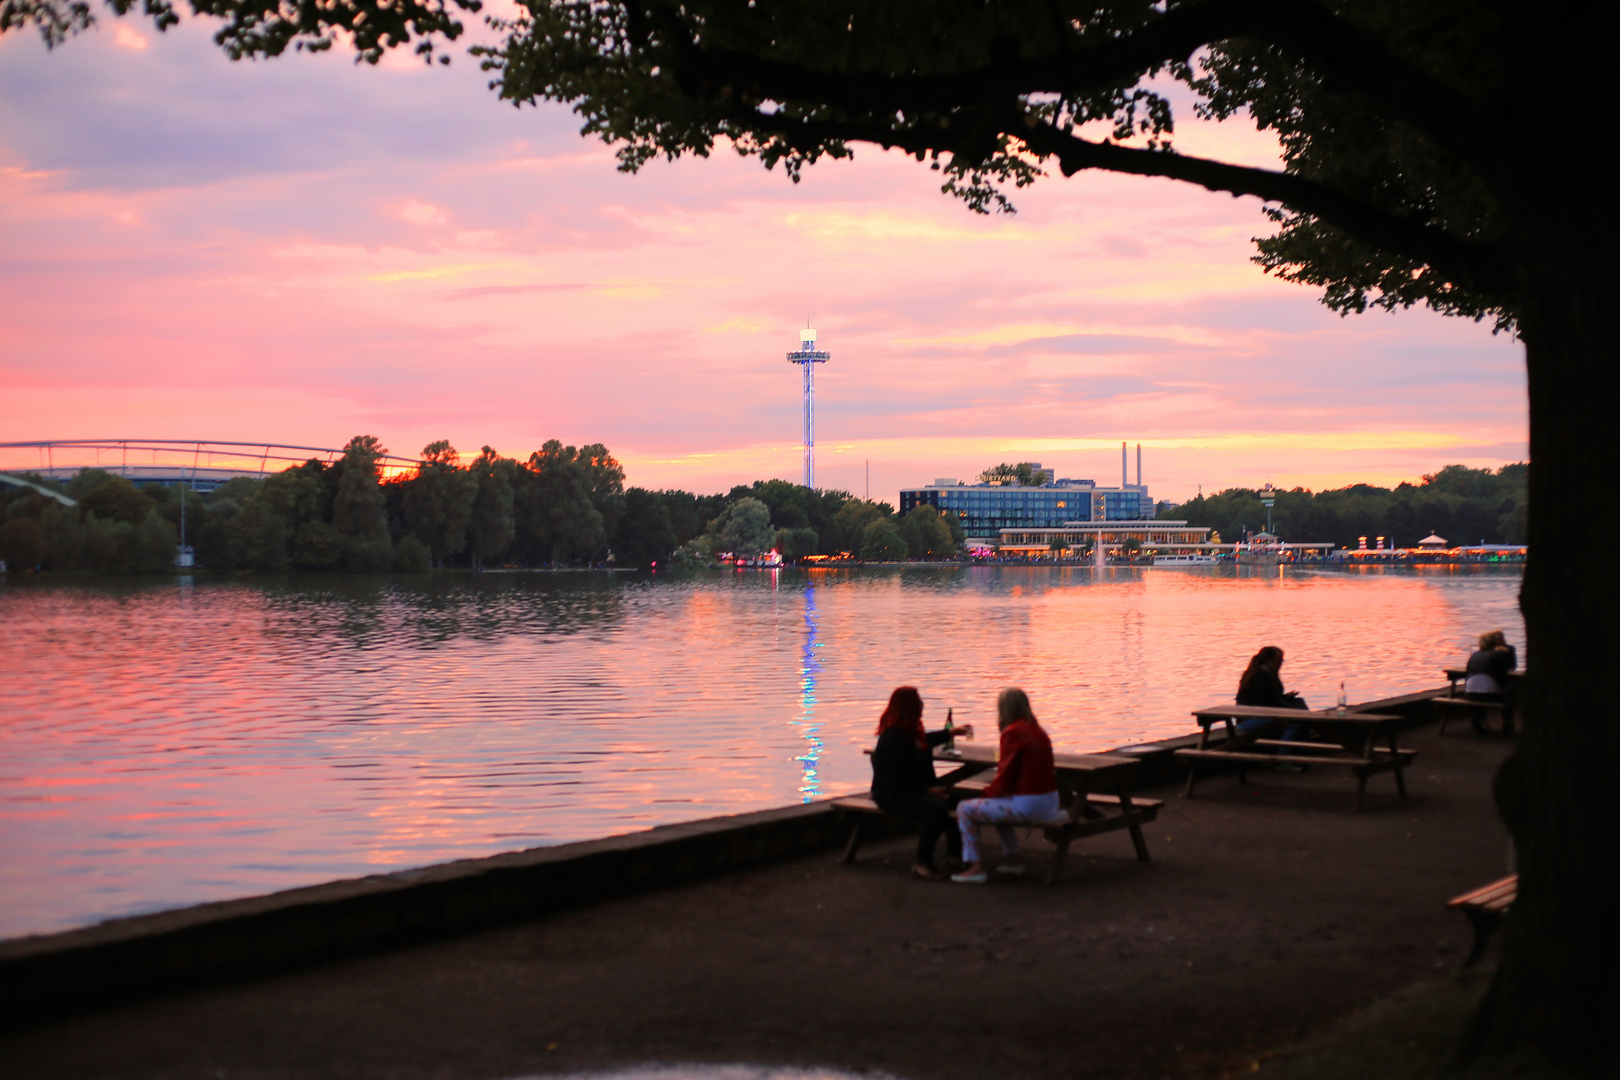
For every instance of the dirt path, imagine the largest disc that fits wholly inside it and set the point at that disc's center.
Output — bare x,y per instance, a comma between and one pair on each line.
1269,910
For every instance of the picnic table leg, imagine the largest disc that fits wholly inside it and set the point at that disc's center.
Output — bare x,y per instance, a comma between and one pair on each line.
1231,739
1137,840
854,844
1063,837
1395,756
1060,854
1484,924
1192,765
1364,771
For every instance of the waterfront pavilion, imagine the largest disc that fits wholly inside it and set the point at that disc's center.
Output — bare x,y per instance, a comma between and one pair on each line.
1167,536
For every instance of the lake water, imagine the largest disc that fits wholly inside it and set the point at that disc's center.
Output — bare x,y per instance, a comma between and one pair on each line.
166,743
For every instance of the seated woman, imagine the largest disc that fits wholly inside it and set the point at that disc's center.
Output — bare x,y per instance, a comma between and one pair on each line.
1487,676
1262,685
903,776
1023,792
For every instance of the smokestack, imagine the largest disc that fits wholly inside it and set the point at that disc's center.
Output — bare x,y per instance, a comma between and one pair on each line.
1138,464
1124,464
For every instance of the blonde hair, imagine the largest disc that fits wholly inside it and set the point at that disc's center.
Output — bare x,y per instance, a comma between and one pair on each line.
1012,705
1492,639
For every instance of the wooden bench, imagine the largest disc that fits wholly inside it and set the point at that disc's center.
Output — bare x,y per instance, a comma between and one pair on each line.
1089,814
1450,708
1316,754
1485,908
1363,761
858,809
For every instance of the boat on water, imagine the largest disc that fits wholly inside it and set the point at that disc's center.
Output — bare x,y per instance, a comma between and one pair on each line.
772,560
1184,560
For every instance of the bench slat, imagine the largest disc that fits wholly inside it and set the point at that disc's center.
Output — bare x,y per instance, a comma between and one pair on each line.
1300,744
1406,757
1507,887
1113,800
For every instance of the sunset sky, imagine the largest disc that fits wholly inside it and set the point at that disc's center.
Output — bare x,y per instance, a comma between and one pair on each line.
303,250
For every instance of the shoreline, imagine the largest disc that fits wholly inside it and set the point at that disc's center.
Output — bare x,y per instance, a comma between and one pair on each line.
251,937
1271,911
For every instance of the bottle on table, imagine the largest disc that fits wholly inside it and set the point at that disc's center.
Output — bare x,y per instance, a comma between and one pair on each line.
950,732
1343,701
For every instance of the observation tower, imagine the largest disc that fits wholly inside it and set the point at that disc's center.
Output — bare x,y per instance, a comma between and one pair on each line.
808,356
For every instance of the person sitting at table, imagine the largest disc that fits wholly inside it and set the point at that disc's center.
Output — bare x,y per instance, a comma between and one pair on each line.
903,776
1024,790
1262,685
1487,676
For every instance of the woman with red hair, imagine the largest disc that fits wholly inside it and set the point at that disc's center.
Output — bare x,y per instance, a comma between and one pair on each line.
903,776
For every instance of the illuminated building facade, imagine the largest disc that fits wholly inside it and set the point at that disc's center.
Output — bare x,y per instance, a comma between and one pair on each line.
985,509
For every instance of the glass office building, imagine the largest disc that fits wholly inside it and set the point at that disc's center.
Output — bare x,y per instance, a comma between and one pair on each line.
986,509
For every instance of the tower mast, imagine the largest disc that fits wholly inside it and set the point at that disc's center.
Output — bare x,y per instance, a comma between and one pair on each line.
808,357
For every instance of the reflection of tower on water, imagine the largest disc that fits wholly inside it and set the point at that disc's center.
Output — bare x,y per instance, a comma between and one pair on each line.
809,729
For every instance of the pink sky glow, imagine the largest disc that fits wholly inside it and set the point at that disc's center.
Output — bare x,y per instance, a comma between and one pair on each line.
302,250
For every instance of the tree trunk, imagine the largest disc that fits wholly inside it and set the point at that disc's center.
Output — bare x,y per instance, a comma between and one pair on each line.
1557,991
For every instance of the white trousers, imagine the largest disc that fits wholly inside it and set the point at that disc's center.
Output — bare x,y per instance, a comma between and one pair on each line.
1004,813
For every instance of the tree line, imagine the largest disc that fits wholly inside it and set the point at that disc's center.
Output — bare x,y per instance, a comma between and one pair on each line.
1463,505
562,506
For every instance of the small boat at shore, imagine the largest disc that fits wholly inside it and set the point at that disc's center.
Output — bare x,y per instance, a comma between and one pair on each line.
772,560
1184,560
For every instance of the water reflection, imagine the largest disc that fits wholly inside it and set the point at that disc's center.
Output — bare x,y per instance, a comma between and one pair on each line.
809,668
166,743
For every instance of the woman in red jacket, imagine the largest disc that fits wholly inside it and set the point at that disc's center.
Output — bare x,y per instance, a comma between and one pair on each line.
1024,790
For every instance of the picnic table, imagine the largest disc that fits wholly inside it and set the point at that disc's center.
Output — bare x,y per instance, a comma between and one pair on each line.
1358,751
1455,675
1095,787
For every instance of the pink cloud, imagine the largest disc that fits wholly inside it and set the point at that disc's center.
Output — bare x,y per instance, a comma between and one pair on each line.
301,250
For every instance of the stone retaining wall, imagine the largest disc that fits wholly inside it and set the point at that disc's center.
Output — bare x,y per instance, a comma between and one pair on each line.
233,940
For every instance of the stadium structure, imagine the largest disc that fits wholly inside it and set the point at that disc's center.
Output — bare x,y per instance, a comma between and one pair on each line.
200,464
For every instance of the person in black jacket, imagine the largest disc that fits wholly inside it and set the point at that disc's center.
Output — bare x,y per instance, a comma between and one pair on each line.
1489,675
1262,685
903,777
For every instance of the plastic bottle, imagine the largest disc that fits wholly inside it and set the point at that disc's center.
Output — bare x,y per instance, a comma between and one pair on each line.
1343,701
950,733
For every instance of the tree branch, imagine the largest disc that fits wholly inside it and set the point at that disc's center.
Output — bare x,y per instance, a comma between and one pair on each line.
1478,267
1342,53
